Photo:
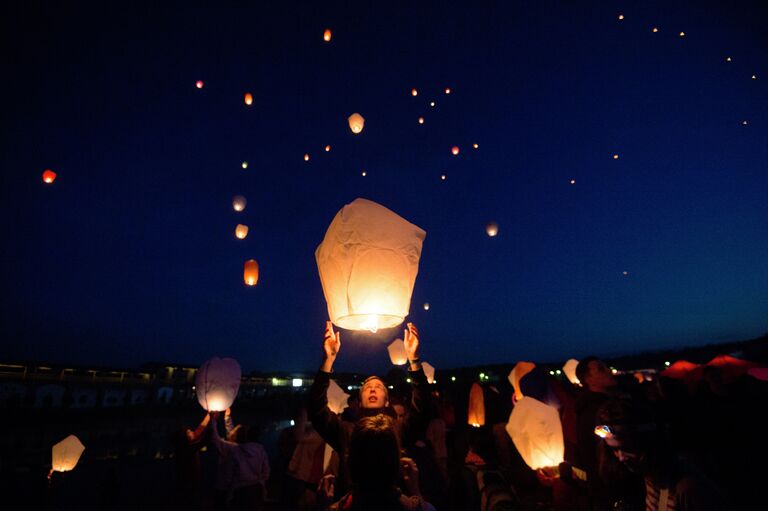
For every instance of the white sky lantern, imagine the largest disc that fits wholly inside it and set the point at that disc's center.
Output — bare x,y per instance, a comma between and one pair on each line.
356,123
516,374
66,454
368,263
570,371
238,203
217,382
429,371
492,229
337,398
397,352
241,231
537,433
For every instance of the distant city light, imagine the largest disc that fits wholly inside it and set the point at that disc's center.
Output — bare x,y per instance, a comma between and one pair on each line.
296,382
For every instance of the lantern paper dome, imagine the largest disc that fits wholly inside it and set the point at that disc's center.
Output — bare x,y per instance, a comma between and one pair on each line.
516,374
368,263
66,454
570,371
216,383
429,371
492,229
337,398
239,203
251,272
476,410
397,352
241,231
537,433
49,176
356,123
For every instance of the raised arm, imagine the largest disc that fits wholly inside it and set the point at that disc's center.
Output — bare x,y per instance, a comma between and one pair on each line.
326,423
194,436
223,446
418,419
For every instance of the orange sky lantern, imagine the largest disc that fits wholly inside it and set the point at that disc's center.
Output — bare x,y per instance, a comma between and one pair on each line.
455,150
492,229
248,98
421,120
327,35
327,148
241,231
251,272
356,123
476,409
49,176
414,92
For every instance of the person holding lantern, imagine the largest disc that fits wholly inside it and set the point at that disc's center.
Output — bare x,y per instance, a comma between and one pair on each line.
374,399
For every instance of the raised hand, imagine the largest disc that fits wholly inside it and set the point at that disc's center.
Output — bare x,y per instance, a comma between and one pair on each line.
411,341
331,347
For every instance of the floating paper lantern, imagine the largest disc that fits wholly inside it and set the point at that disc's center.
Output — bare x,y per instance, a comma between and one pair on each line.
199,84
432,103
49,176
337,398
455,150
368,263
414,92
426,306
654,30
476,410
251,272
327,149
327,35
682,34
429,371
66,454
475,146
421,120
442,177
397,352
248,98
238,203
492,229
356,123
216,383
572,181
447,90
516,374
241,231
537,433
306,157
615,156
363,173
570,371
621,17
244,165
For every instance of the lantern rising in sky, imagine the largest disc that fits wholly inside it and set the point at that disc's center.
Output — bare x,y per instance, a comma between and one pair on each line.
251,272
241,231
421,120
397,352
306,157
447,90
327,149
475,146
654,30
217,382
327,35
572,181
414,92
455,150
442,177
615,156
356,123
248,98
244,165
49,176
492,229
368,262
199,84
66,454
426,306
238,203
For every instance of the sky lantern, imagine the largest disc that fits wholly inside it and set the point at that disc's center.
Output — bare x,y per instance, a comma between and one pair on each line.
244,165
621,17
199,84
397,352
337,398
447,90
251,272
414,92
327,148
49,176
492,229
327,35
432,103
442,177
429,371
572,181
476,409
356,123
368,262
363,173
241,231
455,150
238,203
216,383
426,306
475,146
516,374
615,156
537,433
306,156
654,30
682,34
248,98
421,120
570,371
66,454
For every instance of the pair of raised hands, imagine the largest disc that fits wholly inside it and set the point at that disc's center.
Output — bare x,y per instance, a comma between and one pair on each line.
332,344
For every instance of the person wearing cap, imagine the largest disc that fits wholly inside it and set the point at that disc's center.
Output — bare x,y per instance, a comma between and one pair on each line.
374,399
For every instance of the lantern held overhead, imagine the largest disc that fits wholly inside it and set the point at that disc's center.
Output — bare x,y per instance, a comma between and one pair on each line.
356,123
66,454
368,262
49,176
238,203
476,410
216,383
537,433
241,231
251,272
397,352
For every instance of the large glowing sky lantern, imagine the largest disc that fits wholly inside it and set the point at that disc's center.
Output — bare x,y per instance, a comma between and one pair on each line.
66,454
356,123
368,263
537,433
217,382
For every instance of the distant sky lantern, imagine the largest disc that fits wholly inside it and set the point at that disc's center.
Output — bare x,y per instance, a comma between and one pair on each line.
356,123
49,176
476,408
621,16
682,34
570,371
475,146
572,181
397,352
421,120
728,59
251,272
199,84
66,454
248,98
431,103
537,432
754,77
217,382
241,231
426,306
414,92
238,203
615,156
363,173
368,262
327,35
455,150
447,90
429,371
327,148
744,123
654,30
442,177
306,157
625,273
245,164
492,229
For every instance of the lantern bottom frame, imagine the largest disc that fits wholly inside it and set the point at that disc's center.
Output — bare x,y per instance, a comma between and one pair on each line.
370,322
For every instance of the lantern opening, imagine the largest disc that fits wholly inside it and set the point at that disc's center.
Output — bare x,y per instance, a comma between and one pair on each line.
370,322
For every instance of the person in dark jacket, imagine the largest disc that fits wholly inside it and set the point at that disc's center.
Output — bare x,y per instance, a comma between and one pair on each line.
374,400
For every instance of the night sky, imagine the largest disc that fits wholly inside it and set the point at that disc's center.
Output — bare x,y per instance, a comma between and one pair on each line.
130,255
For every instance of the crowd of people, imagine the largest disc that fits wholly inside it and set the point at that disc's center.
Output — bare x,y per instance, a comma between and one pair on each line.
629,443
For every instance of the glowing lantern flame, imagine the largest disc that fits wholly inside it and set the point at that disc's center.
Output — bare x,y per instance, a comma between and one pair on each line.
199,84
248,98
217,383
655,30
537,433
492,229
356,123
251,272
327,35
238,203
455,150
241,231
476,410
66,454
397,352
49,176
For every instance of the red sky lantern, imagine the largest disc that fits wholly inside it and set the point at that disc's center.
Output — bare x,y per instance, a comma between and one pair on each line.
251,272
49,176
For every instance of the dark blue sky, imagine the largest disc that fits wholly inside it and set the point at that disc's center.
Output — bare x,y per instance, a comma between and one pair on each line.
130,255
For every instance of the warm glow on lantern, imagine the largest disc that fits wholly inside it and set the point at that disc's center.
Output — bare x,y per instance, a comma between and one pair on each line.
248,98
199,84
431,103
492,229
327,149
66,454
621,16
368,263
241,231
476,409
397,352
615,156
455,150
238,203
356,123
754,77
363,173
537,432
414,92
251,272
49,176
421,120
217,383
327,35
572,181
